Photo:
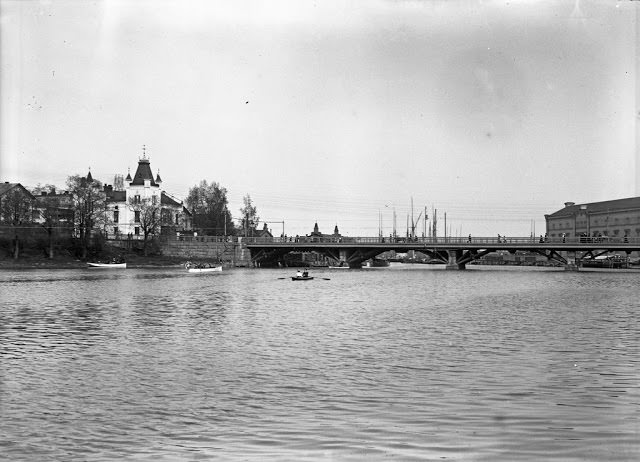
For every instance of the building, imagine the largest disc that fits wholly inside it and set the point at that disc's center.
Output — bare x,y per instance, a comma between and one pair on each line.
615,218
54,207
130,199
16,204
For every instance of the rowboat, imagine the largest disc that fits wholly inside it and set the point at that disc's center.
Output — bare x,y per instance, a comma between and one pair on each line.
302,276
201,268
106,265
205,270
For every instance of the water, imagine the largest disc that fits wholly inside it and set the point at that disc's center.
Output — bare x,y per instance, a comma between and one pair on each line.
402,363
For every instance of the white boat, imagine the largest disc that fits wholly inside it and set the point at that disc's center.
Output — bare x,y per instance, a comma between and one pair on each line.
201,268
106,265
205,270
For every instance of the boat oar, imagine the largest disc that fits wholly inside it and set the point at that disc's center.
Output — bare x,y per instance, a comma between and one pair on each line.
326,279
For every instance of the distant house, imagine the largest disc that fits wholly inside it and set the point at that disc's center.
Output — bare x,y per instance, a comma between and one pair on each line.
264,232
126,197
16,203
614,218
54,206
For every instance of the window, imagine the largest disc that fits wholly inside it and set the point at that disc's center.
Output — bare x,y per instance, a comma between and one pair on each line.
154,200
136,231
116,216
137,216
115,230
177,218
136,198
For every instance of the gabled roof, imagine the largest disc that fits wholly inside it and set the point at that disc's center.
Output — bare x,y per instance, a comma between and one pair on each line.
598,207
143,172
166,199
6,187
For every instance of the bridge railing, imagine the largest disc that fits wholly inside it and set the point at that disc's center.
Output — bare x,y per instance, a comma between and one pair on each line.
426,241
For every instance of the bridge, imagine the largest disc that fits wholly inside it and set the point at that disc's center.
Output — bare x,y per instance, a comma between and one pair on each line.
455,252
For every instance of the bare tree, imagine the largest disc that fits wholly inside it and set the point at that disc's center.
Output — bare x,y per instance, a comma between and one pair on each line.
249,214
147,215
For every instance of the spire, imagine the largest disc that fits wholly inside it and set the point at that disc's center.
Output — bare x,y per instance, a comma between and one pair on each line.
158,180
144,151
89,177
128,178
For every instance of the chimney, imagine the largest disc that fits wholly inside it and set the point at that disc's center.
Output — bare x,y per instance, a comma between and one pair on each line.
569,204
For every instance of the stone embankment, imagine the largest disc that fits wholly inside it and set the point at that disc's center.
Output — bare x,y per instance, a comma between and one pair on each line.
206,248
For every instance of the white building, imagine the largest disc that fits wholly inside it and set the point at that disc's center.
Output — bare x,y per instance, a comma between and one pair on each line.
126,203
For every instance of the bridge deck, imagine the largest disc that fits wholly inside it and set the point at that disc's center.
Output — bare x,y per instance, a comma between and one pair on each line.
403,244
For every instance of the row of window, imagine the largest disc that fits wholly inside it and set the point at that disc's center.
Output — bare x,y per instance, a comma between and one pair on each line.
136,217
116,216
605,233
595,222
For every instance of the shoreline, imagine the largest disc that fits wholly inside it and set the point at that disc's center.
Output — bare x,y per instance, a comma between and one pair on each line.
29,262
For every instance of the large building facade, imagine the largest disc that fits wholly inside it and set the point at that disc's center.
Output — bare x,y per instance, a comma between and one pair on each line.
614,219
128,199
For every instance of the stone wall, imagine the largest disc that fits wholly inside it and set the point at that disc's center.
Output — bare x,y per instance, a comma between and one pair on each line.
230,253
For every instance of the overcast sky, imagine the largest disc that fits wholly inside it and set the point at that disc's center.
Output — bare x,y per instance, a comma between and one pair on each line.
495,112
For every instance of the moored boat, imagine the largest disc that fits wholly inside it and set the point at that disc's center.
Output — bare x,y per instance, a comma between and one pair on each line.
377,263
212,269
106,265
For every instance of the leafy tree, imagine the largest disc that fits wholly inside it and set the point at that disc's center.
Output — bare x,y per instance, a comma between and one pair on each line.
16,209
209,205
89,209
148,215
249,214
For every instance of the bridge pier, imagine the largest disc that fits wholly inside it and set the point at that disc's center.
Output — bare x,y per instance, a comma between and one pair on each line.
571,264
454,257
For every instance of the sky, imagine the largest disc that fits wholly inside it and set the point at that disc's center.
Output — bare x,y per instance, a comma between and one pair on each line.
335,112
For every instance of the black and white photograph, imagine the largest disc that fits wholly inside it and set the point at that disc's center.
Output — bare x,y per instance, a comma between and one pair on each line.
305,230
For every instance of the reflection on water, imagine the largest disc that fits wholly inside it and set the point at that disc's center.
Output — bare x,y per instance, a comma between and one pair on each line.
407,362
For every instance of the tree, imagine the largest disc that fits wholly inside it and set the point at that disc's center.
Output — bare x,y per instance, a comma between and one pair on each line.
50,213
148,215
89,205
249,214
47,188
16,209
208,203
52,210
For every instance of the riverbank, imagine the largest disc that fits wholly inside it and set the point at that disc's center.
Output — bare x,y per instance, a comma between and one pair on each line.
69,262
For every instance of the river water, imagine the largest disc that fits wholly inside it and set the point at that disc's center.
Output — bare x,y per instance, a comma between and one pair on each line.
404,363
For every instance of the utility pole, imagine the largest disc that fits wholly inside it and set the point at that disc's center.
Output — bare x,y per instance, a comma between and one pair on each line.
435,223
445,225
